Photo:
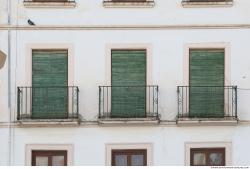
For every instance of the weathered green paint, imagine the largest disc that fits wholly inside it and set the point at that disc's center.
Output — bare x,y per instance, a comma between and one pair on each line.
49,82
128,69
206,70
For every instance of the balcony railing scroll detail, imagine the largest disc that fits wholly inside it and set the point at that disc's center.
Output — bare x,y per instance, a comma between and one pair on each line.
128,102
56,102
207,101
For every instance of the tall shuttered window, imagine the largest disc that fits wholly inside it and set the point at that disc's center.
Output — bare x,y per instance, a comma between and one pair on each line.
206,80
49,84
128,83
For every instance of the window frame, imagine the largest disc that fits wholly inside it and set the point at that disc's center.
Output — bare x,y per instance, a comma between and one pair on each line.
68,147
129,153
49,154
132,146
207,152
226,145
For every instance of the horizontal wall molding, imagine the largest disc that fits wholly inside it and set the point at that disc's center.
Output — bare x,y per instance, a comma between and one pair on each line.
89,124
125,27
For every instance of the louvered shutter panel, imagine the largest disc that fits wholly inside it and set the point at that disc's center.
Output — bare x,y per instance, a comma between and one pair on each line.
49,82
206,71
128,69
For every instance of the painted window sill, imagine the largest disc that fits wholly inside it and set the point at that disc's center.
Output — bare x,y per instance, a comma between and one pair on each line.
51,122
128,121
49,4
187,4
110,4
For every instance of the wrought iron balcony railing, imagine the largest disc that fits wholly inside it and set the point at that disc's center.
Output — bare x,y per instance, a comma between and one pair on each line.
125,1
207,101
207,0
52,1
128,102
47,102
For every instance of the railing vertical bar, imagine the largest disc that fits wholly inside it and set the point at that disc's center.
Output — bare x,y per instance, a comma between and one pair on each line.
153,87
184,111
31,101
47,95
77,113
149,101
231,112
99,102
70,90
157,91
26,100
228,101
236,102
103,100
107,91
178,103
232,106
212,91
18,103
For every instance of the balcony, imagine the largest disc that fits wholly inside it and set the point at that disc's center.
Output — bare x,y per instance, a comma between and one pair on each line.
207,104
128,3
48,105
207,3
49,3
128,105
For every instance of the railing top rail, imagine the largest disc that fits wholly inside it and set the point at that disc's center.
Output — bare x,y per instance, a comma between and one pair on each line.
47,86
233,86
62,1
133,86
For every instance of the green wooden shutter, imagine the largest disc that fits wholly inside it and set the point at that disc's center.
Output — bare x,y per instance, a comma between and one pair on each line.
49,82
207,72
128,69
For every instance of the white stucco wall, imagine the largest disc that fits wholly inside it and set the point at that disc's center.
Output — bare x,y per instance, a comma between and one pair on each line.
168,143
164,12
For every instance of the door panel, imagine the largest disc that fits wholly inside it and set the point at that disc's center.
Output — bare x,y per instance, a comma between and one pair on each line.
128,83
49,82
206,78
